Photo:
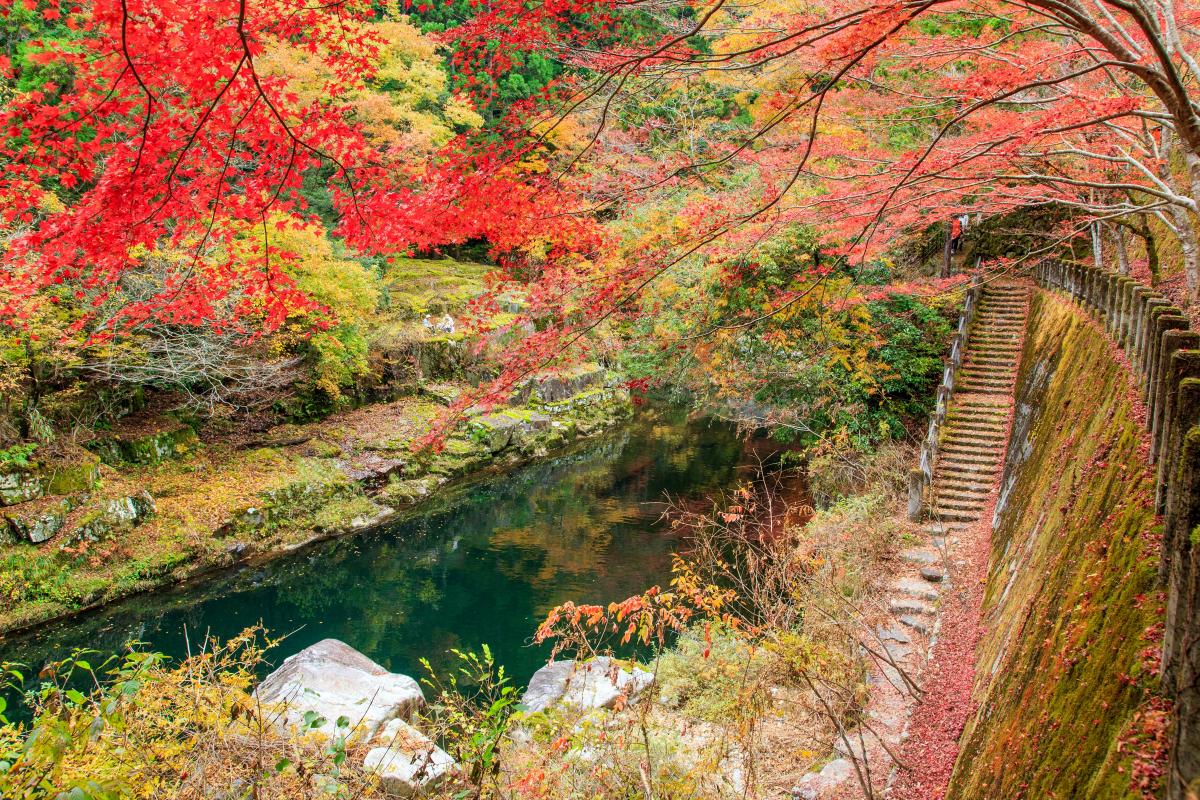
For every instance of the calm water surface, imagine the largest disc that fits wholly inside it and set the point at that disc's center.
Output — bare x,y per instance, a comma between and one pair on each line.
482,567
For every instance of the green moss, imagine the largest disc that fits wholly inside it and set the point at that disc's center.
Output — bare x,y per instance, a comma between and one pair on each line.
432,286
1060,675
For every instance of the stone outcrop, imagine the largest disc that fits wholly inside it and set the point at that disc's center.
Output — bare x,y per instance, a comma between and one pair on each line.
599,683
38,522
22,483
170,441
336,682
112,516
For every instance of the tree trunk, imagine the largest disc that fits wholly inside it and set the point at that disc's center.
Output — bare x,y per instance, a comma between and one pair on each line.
1122,253
1097,246
946,251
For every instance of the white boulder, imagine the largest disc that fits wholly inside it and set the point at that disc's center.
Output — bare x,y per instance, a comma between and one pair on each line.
407,762
598,683
333,680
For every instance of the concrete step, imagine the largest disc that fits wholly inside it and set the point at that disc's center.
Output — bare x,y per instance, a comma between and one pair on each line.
965,469
969,510
961,487
982,358
959,497
950,513
958,445
985,376
974,484
979,433
985,427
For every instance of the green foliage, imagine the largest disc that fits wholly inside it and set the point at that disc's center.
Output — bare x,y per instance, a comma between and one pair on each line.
471,710
18,455
705,674
29,576
842,362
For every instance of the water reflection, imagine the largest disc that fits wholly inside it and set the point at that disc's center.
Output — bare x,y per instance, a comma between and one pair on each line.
484,566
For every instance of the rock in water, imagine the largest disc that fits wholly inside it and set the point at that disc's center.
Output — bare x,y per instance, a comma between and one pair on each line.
598,683
334,680
406,761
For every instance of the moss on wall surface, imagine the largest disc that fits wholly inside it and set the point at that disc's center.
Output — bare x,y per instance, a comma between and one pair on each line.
1066,672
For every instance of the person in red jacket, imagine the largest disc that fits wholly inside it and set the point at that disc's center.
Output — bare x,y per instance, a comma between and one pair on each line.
956,232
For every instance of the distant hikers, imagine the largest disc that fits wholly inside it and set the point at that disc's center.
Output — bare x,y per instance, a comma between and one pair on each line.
956,232
446,325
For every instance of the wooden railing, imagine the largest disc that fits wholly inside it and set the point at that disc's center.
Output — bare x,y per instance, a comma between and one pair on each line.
920,480
1164,355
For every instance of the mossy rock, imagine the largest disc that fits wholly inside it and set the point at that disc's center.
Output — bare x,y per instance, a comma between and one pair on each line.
80,473
292,505
112,516
148,448
399,492
38,522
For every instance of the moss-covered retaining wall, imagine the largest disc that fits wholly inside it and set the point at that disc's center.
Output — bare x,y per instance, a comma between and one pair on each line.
1066,679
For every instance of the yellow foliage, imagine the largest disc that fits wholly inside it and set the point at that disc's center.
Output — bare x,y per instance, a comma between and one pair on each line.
405,110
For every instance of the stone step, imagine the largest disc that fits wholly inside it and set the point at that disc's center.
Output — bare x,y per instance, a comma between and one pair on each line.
940,529
962,516
920,556
915,588
933,574
908,605
916,623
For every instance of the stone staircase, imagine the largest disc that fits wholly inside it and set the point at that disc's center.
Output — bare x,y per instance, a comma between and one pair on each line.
970,456
971,450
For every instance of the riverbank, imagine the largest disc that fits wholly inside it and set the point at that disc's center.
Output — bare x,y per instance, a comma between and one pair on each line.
121,527
740,706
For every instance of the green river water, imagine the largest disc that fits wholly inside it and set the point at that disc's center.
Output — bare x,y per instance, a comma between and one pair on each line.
482,565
